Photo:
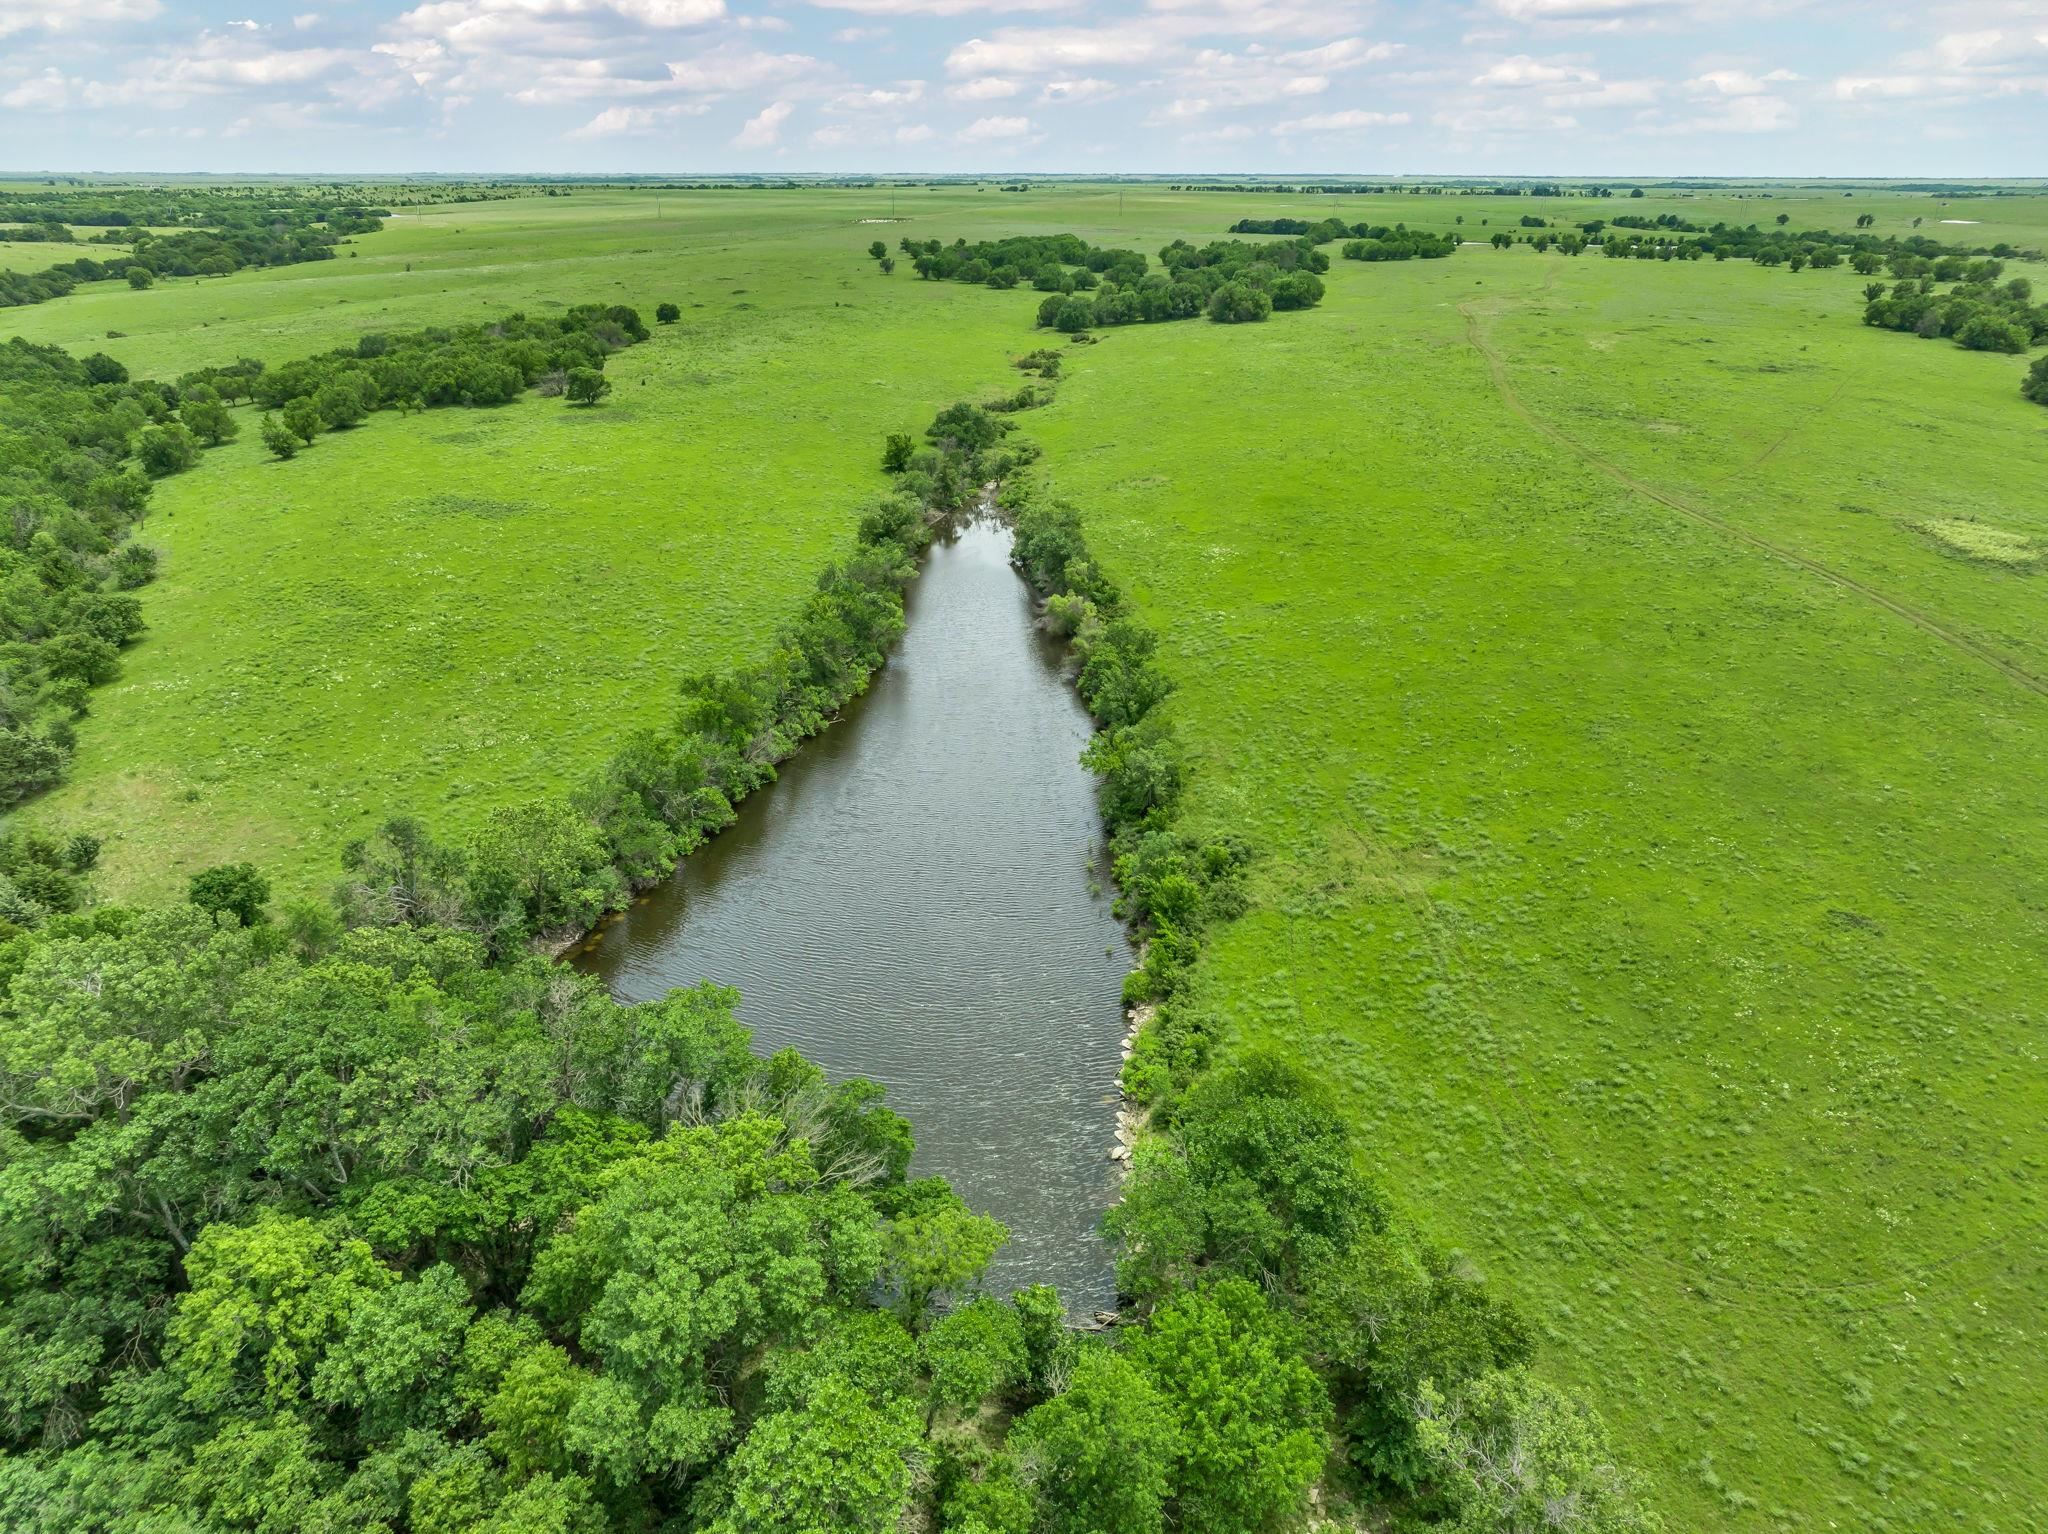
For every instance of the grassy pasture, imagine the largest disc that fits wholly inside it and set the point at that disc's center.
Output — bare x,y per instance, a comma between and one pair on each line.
1670,908
468,607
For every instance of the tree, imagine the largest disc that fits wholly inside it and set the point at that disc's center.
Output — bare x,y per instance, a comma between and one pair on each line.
235,889
279,438
878,250
342,403
1987,332
888,265
586,386
1104,1447
667,314
140,277
841,1463
167,449
1784,219
936,1245
972,1353
1513,1455
1253,1417
897,452
102,369
2035,385
210,421
303,420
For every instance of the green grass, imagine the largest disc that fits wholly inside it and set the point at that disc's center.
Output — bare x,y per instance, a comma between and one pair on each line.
466,608
1647,781
1670,910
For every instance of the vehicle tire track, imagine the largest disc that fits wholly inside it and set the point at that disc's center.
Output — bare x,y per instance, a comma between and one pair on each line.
1496,365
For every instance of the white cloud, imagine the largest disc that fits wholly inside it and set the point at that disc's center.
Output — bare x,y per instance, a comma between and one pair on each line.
762,24
881,99
614,121
850,35
1068,91
1056,50
1740,114
306,19
46,92
764,127
1511,119
990,129
67,15
1522,71
987,88
1736,82
913,133
939,7
1341,122
1591,15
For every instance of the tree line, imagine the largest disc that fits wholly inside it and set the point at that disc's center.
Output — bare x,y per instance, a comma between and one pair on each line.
1087,286
79,446
490,363
232,232
1981,315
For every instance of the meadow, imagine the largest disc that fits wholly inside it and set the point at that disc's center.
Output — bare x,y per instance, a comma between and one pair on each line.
1630,673
1668,905
463,609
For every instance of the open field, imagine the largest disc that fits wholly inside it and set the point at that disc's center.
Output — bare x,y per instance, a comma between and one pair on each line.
1631,672
1671,907
495,598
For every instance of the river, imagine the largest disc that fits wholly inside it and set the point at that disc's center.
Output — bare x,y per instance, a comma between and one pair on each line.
921,898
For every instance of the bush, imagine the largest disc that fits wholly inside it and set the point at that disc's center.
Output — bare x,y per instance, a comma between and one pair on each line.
232,889
167,449
667,314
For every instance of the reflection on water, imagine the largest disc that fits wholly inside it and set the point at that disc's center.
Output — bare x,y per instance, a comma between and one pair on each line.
920,899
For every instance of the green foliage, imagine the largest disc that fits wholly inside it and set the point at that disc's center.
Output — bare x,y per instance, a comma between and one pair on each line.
2035,385
973,1353
278,438
667,313
1252,1417
1512,1455
586,386
1106,1447
934,1245
233,889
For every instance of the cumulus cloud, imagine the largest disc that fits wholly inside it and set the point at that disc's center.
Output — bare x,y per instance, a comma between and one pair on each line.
1341,122
1736,82
1521,71
46,92
985,130
987,88
1057,91
763,129
70,15
614,121
1056,50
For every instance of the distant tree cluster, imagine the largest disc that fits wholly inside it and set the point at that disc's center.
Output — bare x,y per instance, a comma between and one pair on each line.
79,446
237,231
484,364
2035,385
1381,243
1984,315
1368,242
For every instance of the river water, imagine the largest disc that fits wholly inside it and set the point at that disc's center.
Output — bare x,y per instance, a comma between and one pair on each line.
920,898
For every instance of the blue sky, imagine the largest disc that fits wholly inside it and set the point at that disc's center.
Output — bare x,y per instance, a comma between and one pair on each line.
1513,87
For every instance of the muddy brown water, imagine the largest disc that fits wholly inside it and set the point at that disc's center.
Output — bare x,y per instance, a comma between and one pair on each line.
920,898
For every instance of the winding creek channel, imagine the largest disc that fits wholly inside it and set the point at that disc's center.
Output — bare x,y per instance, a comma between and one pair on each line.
920,898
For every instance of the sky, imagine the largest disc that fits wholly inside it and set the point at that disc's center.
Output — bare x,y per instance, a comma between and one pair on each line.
1588,88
